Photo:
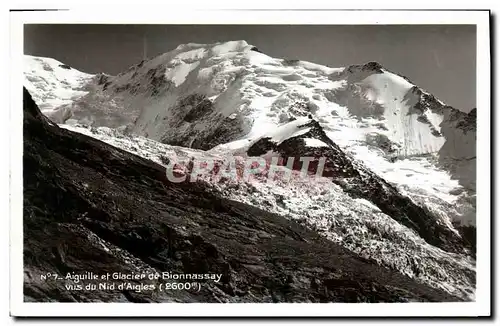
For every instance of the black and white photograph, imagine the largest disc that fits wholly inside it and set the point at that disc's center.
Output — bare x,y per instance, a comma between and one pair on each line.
169,163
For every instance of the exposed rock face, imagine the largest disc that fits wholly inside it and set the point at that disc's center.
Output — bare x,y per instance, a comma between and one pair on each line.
355,73
458,154
352,96
254,48
189,111
360,182
468,122
90,207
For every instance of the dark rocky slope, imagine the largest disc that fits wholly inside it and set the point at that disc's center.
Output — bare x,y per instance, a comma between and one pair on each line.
90,207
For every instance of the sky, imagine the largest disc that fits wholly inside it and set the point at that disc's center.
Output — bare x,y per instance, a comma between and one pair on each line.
439,58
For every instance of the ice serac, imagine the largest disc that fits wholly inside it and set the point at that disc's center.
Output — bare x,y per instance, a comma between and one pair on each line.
54,85
294,141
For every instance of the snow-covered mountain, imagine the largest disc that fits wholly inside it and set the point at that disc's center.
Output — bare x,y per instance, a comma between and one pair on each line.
201,96
402,162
